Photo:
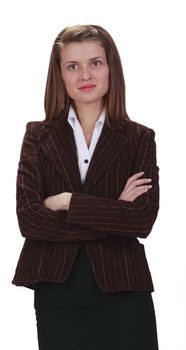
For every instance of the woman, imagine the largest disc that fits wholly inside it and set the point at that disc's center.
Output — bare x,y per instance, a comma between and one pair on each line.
87,188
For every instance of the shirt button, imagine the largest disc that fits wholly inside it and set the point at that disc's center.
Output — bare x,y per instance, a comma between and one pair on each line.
86,161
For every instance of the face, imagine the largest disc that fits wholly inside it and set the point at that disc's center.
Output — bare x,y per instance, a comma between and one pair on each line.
85,71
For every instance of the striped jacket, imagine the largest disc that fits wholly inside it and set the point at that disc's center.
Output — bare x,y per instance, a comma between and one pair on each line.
109,227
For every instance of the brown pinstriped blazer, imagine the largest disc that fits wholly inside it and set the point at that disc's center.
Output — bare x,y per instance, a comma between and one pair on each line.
108,226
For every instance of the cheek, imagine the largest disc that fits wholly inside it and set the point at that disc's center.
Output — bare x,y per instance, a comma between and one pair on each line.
106,79
69,82
106,75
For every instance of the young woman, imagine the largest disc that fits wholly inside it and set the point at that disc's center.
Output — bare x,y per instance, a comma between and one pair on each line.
87,188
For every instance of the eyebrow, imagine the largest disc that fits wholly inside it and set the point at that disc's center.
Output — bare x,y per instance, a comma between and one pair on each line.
75,62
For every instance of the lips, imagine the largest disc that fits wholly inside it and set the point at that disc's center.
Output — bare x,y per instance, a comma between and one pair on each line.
87,87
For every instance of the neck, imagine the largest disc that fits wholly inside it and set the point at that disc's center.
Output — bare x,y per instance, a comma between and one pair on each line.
88,114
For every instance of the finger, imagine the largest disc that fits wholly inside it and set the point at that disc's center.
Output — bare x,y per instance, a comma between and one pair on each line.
137,183
134,193
135,177
141,182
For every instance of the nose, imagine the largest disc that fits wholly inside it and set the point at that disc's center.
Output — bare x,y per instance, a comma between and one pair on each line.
85,74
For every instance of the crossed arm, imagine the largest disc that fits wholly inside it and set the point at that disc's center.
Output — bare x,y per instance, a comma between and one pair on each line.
134,188
78,216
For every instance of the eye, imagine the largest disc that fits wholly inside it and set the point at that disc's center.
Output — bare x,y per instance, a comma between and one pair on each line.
72,67
96,63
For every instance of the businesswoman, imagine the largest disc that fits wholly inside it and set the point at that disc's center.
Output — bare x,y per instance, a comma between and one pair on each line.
87,189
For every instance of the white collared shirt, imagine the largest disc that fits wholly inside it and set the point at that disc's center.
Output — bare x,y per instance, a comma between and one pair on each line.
83,152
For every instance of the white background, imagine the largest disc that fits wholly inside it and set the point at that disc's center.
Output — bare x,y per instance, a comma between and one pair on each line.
150,36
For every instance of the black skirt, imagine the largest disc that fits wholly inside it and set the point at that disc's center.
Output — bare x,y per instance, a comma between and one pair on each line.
78,315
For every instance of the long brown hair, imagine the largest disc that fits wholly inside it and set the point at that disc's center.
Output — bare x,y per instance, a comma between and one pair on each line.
57,101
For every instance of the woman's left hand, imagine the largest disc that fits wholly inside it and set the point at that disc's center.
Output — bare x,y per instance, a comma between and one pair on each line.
60,201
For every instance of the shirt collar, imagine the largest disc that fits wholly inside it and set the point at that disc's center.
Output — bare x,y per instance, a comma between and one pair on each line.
72,118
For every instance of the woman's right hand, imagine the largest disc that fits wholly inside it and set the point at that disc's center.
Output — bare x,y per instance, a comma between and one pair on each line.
135,187
59,201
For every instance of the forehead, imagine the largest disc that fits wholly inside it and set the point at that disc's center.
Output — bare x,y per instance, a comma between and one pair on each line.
82,51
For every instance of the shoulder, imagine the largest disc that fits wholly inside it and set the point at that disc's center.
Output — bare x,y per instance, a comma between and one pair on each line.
138,129
33,132
135,133
40,126
35,126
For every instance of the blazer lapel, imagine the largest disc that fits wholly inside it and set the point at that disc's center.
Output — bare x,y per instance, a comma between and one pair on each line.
58,144
108,148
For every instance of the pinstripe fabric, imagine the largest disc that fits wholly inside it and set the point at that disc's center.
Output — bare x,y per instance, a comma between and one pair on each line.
109,227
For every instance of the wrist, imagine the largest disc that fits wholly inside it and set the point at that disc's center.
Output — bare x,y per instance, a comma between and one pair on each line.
65,200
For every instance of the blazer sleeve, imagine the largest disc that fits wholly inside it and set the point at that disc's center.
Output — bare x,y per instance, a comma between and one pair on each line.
119,217
35,220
